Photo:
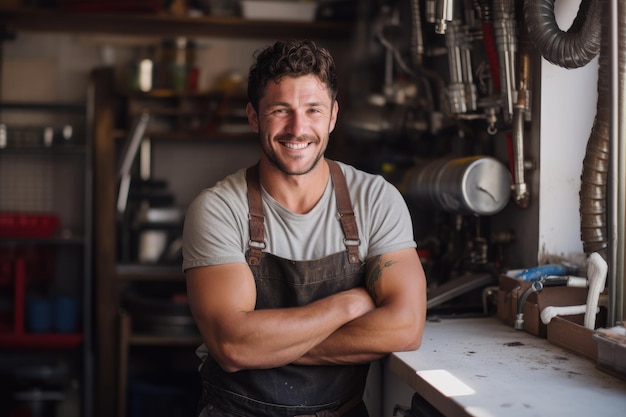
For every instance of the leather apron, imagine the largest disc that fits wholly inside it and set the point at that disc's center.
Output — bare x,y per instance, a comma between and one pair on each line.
292,390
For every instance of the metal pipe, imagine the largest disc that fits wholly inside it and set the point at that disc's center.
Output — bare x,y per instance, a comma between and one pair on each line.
521,196
490,45
617,203
461,91
536,286
444,13
521,113
505,30
417,39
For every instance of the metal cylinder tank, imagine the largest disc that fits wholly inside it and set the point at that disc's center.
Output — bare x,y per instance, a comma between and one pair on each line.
479,185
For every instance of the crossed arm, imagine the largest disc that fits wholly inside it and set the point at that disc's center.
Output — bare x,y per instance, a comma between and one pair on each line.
354,326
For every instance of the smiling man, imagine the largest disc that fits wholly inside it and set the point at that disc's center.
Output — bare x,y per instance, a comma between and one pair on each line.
300,270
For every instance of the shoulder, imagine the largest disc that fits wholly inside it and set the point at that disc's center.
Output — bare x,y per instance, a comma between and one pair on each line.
232,187
225,199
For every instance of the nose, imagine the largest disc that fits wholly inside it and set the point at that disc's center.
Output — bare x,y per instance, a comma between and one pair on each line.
297,124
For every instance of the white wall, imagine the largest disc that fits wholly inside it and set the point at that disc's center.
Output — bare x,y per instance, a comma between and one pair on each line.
568,103
56,67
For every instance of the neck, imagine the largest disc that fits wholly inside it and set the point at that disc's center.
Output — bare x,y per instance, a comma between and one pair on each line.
297,193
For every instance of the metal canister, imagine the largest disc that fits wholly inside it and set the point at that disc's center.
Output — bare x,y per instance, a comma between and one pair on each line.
479,185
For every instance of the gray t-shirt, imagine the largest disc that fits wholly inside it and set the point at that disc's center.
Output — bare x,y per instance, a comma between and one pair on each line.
216,226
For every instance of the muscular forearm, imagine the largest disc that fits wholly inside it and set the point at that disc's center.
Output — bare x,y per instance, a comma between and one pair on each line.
397,283
275,337
367,338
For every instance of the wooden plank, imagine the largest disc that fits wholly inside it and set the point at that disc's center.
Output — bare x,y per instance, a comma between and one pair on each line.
166,25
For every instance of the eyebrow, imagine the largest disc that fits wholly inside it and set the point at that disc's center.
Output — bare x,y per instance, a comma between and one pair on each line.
286,104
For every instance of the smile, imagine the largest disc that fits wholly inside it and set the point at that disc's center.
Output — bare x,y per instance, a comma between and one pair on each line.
296,146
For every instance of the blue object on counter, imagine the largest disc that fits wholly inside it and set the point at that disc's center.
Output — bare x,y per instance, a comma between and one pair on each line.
538,272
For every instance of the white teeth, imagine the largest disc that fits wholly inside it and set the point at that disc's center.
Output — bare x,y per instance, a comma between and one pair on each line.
296,145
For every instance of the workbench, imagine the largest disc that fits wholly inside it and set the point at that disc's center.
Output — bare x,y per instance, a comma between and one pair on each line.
483,368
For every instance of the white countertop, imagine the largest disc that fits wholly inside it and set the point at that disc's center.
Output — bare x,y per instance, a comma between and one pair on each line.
484,368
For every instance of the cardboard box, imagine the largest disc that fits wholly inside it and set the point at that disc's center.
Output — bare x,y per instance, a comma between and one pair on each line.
511,290
569,333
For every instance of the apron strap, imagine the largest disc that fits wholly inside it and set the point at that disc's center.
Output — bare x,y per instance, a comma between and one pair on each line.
346,214
256,216
344,205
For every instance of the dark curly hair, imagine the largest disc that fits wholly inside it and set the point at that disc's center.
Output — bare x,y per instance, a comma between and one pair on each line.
292,58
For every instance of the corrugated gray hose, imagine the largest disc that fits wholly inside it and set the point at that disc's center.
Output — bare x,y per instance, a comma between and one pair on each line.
593,187
573,49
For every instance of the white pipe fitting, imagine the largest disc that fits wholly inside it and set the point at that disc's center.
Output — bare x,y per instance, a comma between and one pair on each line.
597,269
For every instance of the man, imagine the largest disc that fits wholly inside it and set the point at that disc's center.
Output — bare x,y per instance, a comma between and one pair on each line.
300,270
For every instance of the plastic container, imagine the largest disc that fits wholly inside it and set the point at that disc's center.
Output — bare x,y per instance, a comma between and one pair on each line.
611,344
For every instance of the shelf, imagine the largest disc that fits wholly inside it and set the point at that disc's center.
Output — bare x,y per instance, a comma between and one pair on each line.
64,149
150,340
141,272
170,93
42,106
44,241
213,137
41,340
205,137
38,20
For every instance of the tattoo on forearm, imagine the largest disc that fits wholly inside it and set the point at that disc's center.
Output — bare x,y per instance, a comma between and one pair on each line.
374,271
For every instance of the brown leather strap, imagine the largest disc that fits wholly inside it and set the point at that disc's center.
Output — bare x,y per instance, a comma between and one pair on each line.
256,216
344,206
346,214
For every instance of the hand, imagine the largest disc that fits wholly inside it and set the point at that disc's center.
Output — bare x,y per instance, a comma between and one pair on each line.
360,301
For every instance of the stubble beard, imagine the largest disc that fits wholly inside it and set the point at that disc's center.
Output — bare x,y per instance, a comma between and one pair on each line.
282,167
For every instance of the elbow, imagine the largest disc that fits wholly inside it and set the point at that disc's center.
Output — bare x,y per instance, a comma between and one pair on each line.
410,335
412,340
229,358
229,367
225,349
415,342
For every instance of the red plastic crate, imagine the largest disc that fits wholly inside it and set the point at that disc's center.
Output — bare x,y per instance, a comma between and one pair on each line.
28,225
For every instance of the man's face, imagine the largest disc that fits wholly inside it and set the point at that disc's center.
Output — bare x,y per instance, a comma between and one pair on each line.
294,120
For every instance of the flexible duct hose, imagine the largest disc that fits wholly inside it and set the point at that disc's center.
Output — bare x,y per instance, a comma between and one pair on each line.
572,49
593,189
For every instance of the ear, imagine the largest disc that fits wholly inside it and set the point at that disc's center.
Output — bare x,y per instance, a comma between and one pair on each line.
253,117
333,116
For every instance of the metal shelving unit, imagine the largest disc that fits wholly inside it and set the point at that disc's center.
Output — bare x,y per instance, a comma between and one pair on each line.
46,172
